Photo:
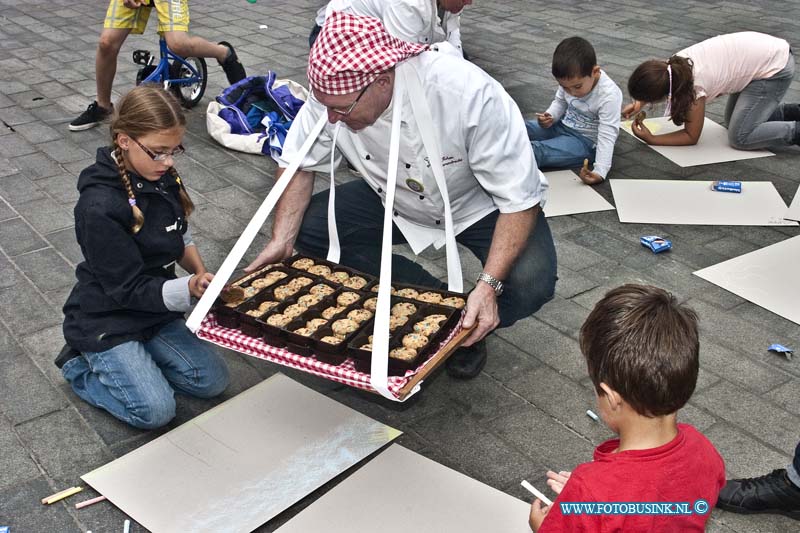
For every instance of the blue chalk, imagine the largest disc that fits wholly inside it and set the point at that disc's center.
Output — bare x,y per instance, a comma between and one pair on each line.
655,243
772,348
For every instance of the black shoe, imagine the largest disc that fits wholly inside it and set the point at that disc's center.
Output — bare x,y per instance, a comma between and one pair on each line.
772,493
467,362
66,354
234,70
90,118
791,112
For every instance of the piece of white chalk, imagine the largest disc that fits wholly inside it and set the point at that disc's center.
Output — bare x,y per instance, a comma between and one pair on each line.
126,528
532,490
591,414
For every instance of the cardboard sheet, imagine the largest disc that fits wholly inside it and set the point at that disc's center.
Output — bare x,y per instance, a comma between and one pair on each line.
400,491
713,146
693,202
766,277
568,195
241,463
794,209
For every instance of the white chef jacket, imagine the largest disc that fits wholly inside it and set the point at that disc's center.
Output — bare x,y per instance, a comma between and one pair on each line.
415,21
487,157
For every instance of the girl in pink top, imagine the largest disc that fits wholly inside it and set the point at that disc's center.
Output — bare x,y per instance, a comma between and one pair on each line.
754,69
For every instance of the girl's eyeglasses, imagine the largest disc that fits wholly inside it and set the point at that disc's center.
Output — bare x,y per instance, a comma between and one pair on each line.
160,156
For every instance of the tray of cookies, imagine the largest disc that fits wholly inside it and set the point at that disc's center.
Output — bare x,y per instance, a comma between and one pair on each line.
243,290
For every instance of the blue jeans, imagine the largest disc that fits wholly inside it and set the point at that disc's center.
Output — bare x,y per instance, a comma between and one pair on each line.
359,219
136,381
755,115
559,146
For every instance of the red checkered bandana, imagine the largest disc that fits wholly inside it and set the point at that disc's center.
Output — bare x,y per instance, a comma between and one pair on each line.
352,51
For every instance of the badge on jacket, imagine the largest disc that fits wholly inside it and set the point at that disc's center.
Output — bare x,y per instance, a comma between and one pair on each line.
415,185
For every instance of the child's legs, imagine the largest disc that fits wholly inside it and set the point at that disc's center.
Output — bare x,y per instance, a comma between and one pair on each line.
748,126
124,381
189,365
538,133
567,150
173,23
105,63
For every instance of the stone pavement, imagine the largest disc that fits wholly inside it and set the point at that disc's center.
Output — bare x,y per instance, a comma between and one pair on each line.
525,412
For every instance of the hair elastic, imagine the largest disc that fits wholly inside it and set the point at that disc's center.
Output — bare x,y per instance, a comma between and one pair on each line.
132,201
668,109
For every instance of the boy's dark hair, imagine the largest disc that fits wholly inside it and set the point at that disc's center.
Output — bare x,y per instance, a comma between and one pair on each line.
574,58
642,343
650,82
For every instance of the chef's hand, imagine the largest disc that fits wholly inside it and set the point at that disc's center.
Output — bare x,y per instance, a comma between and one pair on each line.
631,109
643,132
273,252
545,119
587,176
481,312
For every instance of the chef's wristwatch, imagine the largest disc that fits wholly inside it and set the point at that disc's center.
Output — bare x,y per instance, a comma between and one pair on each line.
493,282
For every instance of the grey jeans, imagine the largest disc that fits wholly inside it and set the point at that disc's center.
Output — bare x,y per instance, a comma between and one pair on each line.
755,115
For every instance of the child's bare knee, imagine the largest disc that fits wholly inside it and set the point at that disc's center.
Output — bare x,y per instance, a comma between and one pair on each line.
179,43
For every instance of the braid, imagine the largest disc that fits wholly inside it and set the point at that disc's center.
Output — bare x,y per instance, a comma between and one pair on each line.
186,202
138,217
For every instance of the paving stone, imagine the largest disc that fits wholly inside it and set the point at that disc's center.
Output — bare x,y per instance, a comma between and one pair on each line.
21,508
15,463
46,215
744,455
740,369
47,269
17,237
563,315
24,310
42,347
505,361
246,177
63,445
36,132
10,276
65,242
37,166
34,395
14,144
62,189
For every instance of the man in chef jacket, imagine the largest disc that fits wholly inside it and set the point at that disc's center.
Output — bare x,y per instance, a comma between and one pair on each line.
496,191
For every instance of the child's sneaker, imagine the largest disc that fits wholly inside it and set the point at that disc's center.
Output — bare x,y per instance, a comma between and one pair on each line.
773,493
234,70
90,118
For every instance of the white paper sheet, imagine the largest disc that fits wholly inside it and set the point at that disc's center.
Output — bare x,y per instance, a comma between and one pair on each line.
794,209
713,146
767,277
693,202
241,463
400,491
568,195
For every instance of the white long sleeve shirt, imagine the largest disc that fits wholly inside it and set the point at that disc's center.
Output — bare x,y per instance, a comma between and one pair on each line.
414,21
487,159
596,116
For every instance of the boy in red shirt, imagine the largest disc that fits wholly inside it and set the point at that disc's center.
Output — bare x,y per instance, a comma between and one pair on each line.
641,348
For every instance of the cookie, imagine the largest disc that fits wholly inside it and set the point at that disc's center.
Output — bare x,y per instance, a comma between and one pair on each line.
249,292
355,282
347,298
283,292
426,328
266,306
404,309
261,283
294,310
453,301
275,275
430,297
397,321
332,312
415,341
309,299
344,326
371,304
408,293
315,323
305,332
338,276
403,354
321,289
299,283
303,263
376,287
255,312
331,340
359,315
278,320
435,319
320,270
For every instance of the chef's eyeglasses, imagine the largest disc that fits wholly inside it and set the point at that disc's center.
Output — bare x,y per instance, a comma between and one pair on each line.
345,112
160,156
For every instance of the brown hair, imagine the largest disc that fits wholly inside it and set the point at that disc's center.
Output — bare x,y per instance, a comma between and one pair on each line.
642,343
146,109
650,83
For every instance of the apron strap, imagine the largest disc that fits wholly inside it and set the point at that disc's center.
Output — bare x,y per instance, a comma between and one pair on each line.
334,250
249,234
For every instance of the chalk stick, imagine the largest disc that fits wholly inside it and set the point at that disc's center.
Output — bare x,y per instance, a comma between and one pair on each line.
87,503
126,528
61,495
532,490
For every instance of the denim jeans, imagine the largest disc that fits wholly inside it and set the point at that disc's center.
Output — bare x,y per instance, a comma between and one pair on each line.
559,146
755,115
359,219
136,381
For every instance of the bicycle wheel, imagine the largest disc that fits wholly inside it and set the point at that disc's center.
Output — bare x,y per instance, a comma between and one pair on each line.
191,91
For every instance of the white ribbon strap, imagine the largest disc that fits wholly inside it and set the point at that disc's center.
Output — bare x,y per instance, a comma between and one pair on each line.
249,234
334,250
422,114
379,369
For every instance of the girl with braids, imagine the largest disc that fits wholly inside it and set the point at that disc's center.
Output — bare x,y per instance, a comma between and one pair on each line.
754,69
128,350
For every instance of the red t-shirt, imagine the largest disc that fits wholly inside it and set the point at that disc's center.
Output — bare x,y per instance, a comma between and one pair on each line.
686,469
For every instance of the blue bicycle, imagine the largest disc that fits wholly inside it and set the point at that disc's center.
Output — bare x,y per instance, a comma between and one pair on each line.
185,77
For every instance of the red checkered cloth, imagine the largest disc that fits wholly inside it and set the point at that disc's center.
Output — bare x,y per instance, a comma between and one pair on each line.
345,373
352,51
